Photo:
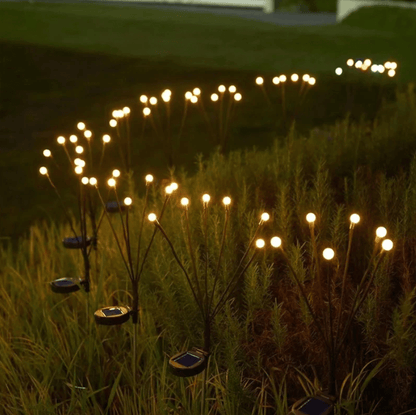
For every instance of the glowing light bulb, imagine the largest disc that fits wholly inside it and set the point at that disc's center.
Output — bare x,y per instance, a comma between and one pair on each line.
128,201
165,97
196,91
226,201
73,138
188,95
338,71
61,140
106,138
328,253
265,217
174,186
260,243
126,110
276,242
77,161
81,126
350,62
47,153
78,170
387,245
310,217
282,78
214,97
194,99
374,68
167,92
305,78
113,123
93,181
381,232
43,171
237,96
312,81
81,163
259,80
152,217
111,182
143,99
79,149
294,77
120,114
153,101
206,198
114,114
393,65
276,80
222,88
168,190
84,180
367,62
354,218
232,89
149,178
116,173
391,73
146,111
381,68
87,134
184,201
358,64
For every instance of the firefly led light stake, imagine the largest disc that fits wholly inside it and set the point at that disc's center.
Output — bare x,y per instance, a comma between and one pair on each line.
313,405
189,363
111,316
67,285
76,243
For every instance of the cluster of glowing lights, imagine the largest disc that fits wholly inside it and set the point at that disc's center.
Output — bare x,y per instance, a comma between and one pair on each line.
283,78
367,63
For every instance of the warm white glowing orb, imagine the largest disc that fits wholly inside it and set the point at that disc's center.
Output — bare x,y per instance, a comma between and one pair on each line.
226,200
114,114
196,91
222,88
73,138
153,101
174,186
79,149
206,198
214,97
146,111
265,217
167,92
77,161
358,64
168,190
354,218
381,232
374,68
393,65
93,181
87,134
128,201
294,77
305,78
113,123
237,96
188,95
116,173
61,140
81,126
391,73
276,80
367,62
47,153
260,243
143,99
84,180
126,110
282,78
310,217
338,71
152,217
149,178
194,99
259,80
184,201
276,242
81,163
350,62
232,89
387,244
111,182
312,81
78,170
106,138
328,253
165,97
381,68
43,171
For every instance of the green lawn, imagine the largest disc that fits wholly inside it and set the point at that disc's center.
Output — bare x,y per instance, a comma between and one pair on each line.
60,63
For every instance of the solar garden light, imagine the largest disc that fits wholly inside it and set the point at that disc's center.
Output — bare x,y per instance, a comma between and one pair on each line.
331,332
194,361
